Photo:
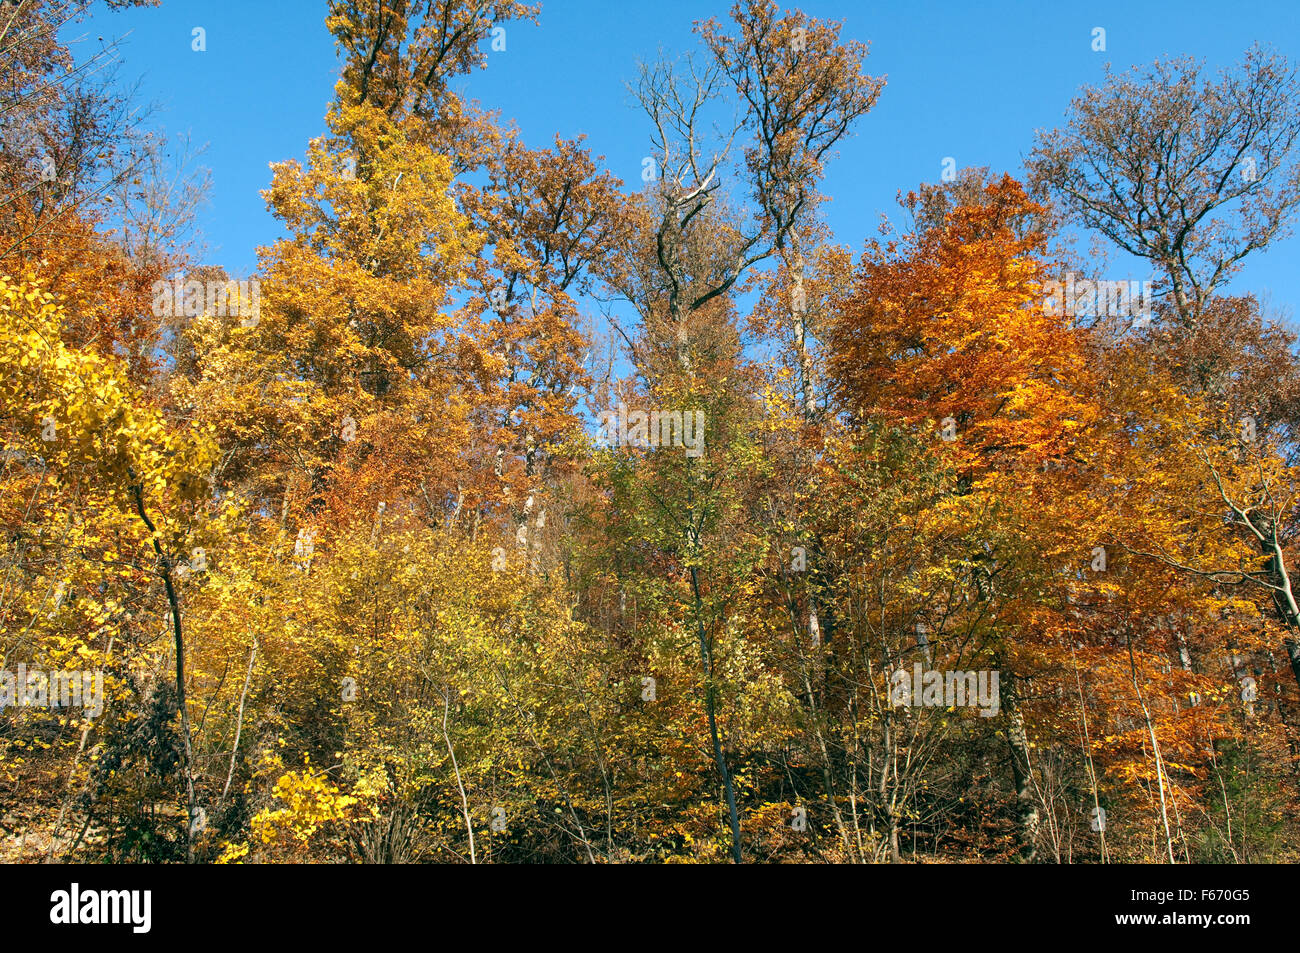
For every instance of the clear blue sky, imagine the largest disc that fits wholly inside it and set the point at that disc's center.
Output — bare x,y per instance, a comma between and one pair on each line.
971,80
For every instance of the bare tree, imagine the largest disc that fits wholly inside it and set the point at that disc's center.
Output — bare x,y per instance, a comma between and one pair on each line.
803,89
1191,173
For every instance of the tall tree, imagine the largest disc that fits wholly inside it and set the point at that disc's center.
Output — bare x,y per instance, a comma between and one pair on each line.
1188,172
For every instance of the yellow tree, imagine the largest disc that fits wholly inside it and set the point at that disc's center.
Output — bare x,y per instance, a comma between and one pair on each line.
120,486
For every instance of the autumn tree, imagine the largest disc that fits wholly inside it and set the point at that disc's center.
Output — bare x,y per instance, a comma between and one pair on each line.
803,90
1188,172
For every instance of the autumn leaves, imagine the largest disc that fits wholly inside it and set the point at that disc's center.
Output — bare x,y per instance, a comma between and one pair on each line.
795,555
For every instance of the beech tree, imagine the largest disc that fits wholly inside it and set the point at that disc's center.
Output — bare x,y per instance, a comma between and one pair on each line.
1188,172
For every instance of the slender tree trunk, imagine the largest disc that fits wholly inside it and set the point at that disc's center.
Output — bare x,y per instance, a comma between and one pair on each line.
1155,750
1284,599
795,264
1085,741
464,802
887,795
710,706
1021,768
239,721
165,567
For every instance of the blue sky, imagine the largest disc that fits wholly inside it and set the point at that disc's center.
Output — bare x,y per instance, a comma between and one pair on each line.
967,80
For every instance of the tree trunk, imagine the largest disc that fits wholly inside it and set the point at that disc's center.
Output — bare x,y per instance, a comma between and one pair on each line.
1284,600
165,567
710,707
795,264
1026,807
